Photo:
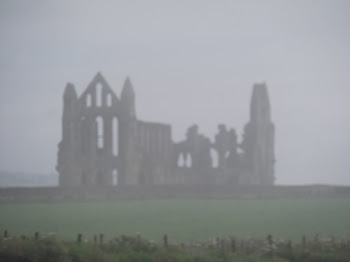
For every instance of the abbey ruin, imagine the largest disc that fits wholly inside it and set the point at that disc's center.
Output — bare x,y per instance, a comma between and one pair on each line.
104,143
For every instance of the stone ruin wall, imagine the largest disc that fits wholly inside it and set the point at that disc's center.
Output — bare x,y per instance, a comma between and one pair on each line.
103,143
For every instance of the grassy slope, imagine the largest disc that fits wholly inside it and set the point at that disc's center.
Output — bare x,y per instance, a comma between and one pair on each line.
181,219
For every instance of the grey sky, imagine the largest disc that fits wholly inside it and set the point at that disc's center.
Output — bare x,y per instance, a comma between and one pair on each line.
190,62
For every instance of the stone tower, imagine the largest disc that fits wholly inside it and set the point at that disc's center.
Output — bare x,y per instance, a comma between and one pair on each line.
258,140
128,136
68,155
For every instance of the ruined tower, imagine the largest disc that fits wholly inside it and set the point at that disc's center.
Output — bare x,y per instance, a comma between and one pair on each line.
127,141
258,140
68,155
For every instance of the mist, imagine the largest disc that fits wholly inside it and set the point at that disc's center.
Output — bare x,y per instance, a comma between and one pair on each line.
190,62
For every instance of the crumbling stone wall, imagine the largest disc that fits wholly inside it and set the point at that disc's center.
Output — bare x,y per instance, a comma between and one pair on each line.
103,143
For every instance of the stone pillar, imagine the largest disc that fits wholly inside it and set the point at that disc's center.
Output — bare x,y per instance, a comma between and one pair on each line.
127,132
258,141
68,164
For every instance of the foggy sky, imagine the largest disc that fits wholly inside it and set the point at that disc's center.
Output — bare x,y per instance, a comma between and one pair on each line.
190,62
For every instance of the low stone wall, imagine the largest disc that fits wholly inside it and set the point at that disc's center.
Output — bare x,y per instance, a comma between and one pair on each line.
171,191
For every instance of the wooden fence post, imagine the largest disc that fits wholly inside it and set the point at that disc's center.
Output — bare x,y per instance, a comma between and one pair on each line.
269,240
290,246
222,244
79,237
95,239
165,239
303,241
233,245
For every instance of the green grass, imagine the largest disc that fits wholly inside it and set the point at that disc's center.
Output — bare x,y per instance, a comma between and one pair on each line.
182,220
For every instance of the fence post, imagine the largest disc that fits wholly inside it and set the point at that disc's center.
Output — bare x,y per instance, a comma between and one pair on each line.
242,245
269,240
303,241
36,235
233,245
222,244
95,239
290,246
6,234
79,237
138,238
101,238
165,239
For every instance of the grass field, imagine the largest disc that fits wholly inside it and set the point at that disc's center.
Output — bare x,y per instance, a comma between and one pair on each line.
182,220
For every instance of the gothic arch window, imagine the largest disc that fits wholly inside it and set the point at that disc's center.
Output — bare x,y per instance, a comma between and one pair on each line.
109,100
214,158
100,132
181,160
98,88
88,100
115,136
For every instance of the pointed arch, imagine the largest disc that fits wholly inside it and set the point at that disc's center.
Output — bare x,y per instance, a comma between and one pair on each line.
115,177
109,101
98,88
181,160
88,100
100,132
214,158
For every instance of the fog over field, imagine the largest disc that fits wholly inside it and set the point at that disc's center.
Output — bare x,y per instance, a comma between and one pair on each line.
189,62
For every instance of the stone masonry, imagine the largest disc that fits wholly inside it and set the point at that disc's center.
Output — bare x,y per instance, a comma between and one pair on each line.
104,143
